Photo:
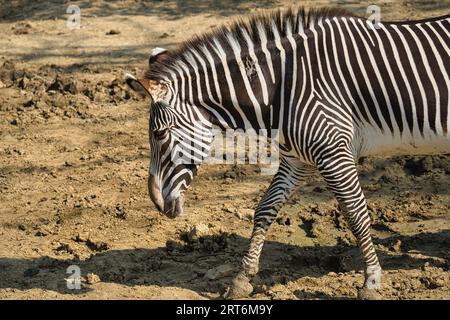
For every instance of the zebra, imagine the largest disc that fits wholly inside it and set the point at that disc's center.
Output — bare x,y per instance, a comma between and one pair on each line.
337,87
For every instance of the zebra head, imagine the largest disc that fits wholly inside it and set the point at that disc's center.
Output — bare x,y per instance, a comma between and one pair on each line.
179,143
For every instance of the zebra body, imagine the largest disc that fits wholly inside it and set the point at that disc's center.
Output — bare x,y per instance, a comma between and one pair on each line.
337,87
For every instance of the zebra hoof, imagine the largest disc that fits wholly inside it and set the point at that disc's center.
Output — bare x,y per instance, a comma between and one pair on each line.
369,294
240,288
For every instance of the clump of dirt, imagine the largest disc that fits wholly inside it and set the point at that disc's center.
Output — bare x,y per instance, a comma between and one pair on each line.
422,165
42,94
206,238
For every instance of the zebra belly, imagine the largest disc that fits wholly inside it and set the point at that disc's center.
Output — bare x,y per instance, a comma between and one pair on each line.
384,144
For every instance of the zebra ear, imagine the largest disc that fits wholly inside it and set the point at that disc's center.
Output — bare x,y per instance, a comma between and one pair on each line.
157,54
141,86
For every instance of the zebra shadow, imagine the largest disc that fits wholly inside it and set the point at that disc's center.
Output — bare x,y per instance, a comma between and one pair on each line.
188,265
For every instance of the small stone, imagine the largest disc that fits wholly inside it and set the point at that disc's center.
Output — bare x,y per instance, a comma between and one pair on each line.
29,103
92,278
284,221
8,65
71,88
332,274
396,246
100,97
68,164
65,248
245,214
121,212
368,294
112,32
41,233
59,101
97,246
220,272
56,86
17,74
14,122
230,175
42,105
425,266
81,237
23,83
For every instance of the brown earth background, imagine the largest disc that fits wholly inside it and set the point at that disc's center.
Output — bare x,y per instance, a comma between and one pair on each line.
73,169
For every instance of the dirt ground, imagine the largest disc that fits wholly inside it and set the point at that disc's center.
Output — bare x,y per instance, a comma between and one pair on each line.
73,170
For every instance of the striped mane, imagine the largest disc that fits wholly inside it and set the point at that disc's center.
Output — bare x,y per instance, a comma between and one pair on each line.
285,21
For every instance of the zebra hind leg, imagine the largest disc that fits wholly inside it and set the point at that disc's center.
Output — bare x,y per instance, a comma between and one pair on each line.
342,179
290,173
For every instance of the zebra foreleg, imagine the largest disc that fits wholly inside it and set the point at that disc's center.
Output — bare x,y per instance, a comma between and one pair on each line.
288,177
342,178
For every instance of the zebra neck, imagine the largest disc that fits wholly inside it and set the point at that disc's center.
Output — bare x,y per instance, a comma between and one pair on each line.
244,89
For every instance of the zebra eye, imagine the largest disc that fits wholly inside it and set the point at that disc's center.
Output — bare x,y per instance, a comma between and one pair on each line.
160,133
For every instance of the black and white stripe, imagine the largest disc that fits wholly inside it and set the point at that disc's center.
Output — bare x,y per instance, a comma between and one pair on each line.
335,86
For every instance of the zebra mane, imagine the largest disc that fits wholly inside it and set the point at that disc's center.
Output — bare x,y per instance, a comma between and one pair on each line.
290,21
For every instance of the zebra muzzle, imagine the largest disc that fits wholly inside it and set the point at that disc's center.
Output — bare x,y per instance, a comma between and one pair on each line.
155,193
174,207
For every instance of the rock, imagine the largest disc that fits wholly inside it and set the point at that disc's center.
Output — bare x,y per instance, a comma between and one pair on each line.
433,282
97,246
318,228
114,83
230,175
8,65
16,75
23,83
56,86
41,233
29,103
65,248
22,27
222,271
396,246
100,97
284,221
113,32
197,231
81,237
14,122
59,101
92,278
41,105
368,294
2,85
245,214
121,212
72,88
